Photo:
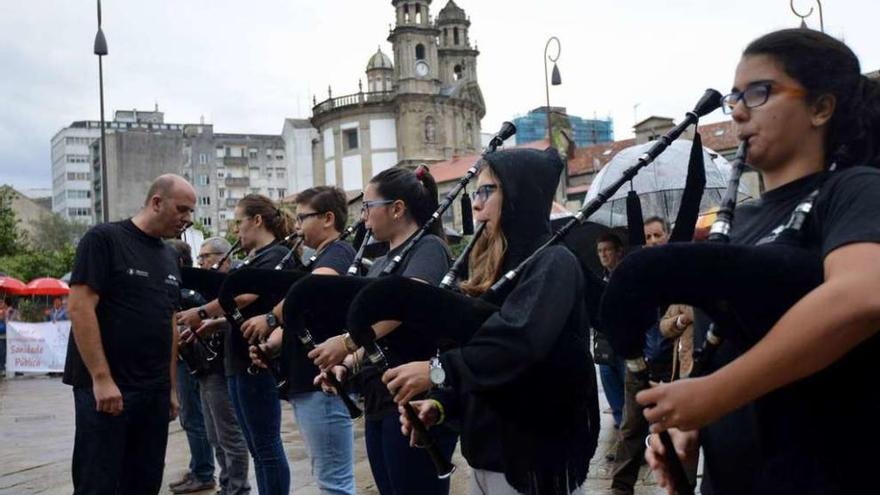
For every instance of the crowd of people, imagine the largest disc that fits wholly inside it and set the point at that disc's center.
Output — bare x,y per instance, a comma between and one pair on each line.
515,389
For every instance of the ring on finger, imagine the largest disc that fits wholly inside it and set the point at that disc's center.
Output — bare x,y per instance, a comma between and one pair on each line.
648,441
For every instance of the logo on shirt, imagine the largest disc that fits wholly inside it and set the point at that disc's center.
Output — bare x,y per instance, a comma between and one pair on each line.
139,273
171,280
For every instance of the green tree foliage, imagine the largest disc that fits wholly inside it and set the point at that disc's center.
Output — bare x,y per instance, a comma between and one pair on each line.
49,254
11,239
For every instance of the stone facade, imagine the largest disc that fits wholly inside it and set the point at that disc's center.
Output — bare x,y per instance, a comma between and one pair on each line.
423,107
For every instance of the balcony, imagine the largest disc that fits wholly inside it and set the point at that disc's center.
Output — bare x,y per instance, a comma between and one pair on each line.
232,202
238,181
235,161
352,100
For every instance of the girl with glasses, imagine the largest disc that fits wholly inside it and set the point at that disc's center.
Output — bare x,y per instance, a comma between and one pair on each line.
796,412
523,387
397,202
323,420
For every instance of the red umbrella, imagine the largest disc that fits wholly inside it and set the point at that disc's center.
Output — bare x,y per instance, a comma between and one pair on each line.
46,287
11,285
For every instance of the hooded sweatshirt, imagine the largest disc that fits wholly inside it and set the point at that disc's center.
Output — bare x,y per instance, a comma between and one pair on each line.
523,387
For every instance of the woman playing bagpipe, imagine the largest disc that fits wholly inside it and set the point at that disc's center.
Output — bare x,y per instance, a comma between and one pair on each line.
324,421
789,408
397,202
260,225
522,386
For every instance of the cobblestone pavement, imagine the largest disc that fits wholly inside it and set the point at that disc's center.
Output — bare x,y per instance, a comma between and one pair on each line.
36,441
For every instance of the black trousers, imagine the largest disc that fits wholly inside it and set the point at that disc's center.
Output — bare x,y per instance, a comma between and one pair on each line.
122,454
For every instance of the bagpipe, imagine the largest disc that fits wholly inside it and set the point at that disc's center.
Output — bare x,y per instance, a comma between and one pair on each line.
723,280
319,304
268,285
454,318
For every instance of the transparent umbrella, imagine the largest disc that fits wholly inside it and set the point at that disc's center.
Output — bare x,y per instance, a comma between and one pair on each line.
660,184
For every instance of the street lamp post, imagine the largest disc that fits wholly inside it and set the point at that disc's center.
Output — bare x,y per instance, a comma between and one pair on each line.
100,50
556,80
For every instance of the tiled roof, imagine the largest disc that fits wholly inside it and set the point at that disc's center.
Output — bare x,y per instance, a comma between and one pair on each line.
455,168
720,136
595,157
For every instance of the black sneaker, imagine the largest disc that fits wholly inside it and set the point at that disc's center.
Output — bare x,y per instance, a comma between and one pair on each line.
194,485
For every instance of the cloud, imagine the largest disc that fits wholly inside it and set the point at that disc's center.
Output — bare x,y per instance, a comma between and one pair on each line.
245,66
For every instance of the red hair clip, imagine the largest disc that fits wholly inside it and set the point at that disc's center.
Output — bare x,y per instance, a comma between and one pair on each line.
420,172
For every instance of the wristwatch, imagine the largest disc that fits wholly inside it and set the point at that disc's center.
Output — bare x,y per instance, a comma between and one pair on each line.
271,320
202,313
437,374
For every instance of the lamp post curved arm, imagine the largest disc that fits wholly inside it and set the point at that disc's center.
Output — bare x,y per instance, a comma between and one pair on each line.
556,80
808,14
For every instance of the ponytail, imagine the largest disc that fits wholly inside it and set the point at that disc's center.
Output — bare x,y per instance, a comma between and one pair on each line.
418,191
277,220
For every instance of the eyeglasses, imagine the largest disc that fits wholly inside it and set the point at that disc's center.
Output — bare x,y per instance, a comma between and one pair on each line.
202,256
483,192
757,94
366,205
302,216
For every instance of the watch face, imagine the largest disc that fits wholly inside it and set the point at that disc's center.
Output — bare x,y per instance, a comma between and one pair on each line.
421,68
438,376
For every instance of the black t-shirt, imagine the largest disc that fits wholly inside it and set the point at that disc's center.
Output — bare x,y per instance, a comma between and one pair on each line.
337,256
795,440
137,279
236,358
428,261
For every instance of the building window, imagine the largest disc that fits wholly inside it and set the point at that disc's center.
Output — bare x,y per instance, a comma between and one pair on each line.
253,152
203,179
254,173
221,193
79,176
268,173
420,52
206,221
78,159
220,152
430,129
205,200
280,173
221,173
255,190
350,139
227,151
455,36
203,158
279,154
272,192
75,194
79,212
282,192
457,72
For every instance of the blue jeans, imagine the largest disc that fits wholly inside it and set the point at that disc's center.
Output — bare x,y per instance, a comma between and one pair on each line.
258,411
327,429
613,377
120,454
201,457
399,469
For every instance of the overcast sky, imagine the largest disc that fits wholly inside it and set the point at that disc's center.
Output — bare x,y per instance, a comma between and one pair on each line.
247,65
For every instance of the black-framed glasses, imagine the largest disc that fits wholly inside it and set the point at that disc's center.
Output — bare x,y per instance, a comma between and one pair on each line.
366,205
483,192
757,94
302,216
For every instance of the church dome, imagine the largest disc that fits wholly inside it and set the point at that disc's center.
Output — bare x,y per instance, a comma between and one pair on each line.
451,12
379,61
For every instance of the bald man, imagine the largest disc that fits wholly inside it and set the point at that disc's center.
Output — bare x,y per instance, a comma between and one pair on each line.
121,360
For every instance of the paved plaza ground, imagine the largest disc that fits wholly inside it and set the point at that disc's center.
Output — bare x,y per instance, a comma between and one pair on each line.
36,441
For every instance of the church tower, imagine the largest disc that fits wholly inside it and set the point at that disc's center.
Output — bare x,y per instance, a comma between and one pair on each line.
414,39
458,60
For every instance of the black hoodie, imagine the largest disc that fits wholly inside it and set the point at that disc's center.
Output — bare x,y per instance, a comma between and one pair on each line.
524,385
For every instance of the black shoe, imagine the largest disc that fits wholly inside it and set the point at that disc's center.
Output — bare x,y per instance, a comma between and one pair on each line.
185,479
194,485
